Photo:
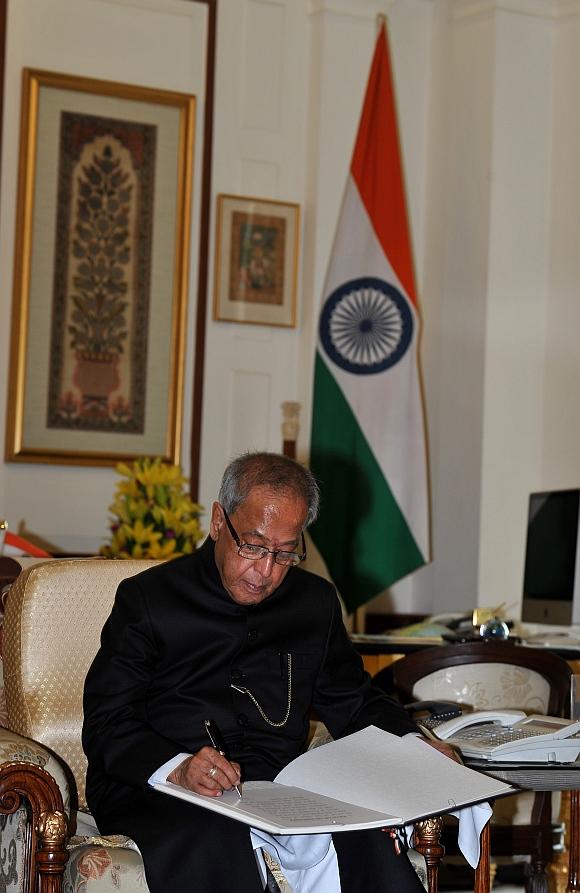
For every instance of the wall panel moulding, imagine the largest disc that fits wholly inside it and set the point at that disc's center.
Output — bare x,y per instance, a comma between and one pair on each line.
347,8
544,9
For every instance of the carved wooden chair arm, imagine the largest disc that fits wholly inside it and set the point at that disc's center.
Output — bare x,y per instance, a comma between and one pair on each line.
45,835
427,842
15,748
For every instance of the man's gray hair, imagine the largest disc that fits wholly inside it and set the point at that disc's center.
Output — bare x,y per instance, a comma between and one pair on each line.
273,472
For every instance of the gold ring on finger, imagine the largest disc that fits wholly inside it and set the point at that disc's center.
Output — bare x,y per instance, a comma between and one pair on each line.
212,772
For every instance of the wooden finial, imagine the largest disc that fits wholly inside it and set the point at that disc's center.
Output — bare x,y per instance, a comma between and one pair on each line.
290,426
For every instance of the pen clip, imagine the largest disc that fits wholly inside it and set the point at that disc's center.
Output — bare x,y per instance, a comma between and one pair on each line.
212,737
218,743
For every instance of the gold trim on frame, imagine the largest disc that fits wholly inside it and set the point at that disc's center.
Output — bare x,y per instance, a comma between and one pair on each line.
175,134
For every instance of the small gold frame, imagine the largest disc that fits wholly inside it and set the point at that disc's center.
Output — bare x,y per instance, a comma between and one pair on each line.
256,267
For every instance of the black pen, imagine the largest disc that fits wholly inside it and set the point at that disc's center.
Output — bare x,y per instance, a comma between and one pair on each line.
217,741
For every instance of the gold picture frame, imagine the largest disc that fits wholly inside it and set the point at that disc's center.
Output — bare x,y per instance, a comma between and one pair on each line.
100,272
256,267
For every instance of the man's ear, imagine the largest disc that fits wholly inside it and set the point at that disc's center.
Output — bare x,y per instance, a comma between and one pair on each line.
216,521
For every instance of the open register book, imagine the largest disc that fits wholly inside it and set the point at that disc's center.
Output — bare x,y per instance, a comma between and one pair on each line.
370,779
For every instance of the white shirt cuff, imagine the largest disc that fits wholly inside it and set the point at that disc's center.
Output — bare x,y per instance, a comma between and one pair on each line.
161,774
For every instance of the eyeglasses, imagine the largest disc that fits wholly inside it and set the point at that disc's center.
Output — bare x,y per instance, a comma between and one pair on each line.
253,552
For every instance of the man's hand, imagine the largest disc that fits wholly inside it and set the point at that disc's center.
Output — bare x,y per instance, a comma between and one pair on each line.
206,772
444,748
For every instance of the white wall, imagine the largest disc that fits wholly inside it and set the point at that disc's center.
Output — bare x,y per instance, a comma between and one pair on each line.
460,220
157,43
517,300
490,133
561,417
260,126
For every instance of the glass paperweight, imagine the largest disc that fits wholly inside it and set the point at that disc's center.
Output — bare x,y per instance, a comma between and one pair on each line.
494,629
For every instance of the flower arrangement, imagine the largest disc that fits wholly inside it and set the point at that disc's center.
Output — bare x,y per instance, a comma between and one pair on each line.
153,516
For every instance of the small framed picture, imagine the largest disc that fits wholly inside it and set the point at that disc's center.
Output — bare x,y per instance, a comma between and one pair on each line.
256,269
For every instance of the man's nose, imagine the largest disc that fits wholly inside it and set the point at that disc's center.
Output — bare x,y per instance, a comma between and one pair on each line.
266,564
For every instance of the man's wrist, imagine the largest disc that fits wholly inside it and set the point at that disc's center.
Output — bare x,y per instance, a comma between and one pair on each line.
160,775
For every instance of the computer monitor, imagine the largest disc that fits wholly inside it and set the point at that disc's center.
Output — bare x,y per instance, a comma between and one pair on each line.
551,572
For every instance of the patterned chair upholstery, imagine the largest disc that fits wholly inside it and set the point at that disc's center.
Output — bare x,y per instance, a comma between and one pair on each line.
54,615
486,676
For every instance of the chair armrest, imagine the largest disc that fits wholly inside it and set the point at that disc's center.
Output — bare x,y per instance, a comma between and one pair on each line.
24,784
17,748
427,842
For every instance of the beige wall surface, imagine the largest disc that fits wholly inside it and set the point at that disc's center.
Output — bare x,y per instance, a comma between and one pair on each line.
490,131
155,44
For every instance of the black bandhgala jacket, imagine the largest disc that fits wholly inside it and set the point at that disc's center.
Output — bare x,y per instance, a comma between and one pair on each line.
175,643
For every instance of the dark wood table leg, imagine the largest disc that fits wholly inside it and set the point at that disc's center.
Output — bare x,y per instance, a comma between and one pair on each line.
482,872
574,844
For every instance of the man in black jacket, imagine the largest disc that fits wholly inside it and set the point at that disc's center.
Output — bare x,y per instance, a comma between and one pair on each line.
236,633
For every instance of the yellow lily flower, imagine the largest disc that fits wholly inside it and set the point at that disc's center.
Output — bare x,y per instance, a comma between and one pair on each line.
152,515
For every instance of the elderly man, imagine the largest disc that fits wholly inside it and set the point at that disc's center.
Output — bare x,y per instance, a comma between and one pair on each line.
239,634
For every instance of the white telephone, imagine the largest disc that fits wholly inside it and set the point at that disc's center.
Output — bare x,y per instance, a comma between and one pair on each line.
512,736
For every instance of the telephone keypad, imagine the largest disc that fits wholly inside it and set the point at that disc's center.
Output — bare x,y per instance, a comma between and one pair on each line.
492,737
535,738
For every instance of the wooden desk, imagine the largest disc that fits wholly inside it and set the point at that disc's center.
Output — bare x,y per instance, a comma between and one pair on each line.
539,777
378,652
531,777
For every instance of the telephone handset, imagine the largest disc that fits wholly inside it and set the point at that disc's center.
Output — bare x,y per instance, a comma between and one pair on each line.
448,729
437,712
512,736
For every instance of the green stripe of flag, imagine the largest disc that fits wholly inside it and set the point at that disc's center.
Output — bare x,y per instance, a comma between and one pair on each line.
361,532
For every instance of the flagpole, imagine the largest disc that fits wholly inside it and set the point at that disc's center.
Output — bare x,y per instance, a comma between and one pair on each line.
359,617
290,426
359,621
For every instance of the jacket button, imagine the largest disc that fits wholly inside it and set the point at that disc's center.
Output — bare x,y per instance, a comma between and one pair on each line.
242,719
252,635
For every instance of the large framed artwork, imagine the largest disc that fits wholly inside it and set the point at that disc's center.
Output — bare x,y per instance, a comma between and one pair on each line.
256,266
101,271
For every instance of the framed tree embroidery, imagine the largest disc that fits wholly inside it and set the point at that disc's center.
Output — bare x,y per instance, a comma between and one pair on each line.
101,266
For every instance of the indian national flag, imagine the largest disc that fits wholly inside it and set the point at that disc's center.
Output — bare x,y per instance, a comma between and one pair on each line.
368,444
